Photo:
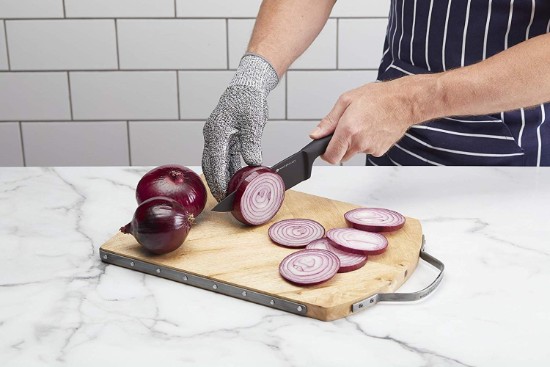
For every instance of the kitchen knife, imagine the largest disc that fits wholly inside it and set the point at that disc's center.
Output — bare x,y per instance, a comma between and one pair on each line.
293,170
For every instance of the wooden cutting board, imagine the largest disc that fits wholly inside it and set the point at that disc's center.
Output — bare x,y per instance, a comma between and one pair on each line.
222,255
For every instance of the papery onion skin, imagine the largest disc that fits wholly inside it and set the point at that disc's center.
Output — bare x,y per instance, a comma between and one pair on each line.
292,274
240,211
160,225
397,223
175,182
348,260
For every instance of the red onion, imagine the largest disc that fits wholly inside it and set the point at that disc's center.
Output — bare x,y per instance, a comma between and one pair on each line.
259,196
175,182
357,242
295,232
308,267
348,261
374,219
238,176
159,224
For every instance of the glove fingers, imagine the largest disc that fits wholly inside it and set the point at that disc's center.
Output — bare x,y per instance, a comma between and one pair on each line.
215,158
234,156
250,135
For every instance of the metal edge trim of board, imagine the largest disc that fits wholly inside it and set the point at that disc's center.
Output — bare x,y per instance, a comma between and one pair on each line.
204,283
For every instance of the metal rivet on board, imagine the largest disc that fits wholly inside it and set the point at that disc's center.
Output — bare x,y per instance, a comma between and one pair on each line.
105,257
244,293
272,302
132,263
185,278
158,270
299,308
215,286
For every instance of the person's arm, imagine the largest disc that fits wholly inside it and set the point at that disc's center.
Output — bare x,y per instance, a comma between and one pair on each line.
372,118
284,29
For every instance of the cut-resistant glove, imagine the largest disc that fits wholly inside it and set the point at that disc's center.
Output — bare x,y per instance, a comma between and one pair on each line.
235,127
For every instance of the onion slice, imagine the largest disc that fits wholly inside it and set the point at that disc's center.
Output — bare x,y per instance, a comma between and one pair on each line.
357,242
259,196
309,266
374,219
295,233
348,261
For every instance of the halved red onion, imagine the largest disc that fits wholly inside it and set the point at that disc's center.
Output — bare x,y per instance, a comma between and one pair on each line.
309,267
259,196
295,232
374,219
357,242
348,261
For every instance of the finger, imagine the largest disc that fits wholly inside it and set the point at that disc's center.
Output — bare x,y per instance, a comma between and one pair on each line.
215,158
329,122
250,136
337,148
349,154
234,156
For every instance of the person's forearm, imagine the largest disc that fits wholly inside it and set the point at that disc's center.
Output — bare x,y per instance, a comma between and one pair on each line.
284,29
516,78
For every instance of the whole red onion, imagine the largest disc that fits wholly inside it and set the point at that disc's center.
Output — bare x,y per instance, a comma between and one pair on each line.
160,225
175,182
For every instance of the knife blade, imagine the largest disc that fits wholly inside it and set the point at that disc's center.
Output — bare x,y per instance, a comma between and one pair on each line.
293,169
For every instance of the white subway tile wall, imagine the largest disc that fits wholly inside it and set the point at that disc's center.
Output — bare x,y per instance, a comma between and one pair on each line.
11,151
31,9
62,44
34,96
103,143
119,8
124,95
102,82
172,44
357,39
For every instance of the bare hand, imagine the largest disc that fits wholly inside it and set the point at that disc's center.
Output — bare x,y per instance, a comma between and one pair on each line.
371,118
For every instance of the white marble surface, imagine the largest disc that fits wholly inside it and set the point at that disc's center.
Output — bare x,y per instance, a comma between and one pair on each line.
60,306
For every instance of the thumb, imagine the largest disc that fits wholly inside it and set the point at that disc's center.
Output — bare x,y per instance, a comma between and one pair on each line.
329,122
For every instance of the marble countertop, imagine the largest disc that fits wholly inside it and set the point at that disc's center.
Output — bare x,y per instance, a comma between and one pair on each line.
59,305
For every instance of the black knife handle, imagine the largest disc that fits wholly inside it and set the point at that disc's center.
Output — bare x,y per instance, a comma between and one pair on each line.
314,150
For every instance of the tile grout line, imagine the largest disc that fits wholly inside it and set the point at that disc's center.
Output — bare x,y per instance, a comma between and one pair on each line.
175,8
116,42
286,96
64,10
337,41
70,95
178,93
129,143
7,46
22,144
227,41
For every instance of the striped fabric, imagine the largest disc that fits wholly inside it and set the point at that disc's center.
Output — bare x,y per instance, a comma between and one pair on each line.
426,36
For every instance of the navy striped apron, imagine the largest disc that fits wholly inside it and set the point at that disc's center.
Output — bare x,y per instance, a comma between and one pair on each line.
426,36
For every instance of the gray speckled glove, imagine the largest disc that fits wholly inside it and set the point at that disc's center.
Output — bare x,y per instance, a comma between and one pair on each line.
236,125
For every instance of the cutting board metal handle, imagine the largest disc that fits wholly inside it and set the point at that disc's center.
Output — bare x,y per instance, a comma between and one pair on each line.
405,297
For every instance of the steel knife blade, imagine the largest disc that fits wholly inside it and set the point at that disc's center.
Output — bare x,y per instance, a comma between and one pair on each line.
293,169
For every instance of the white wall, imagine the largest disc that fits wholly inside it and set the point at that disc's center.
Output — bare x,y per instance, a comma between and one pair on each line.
130,82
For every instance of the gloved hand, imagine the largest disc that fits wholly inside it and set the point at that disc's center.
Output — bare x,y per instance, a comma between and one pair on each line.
236,125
